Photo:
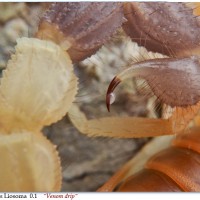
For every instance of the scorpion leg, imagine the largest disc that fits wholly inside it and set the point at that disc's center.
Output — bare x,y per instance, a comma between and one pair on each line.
119,127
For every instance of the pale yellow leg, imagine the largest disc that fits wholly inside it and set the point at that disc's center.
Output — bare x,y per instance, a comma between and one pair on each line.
119,127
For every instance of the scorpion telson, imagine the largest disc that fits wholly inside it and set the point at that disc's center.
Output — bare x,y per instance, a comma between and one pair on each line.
181,75
161,27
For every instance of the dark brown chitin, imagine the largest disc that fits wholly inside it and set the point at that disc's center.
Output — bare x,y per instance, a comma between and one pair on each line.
86,26
174,169
168,28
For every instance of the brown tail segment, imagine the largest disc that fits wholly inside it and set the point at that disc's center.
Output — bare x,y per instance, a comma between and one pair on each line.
174,169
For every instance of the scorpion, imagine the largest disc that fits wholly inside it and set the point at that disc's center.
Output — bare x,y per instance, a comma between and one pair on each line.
70,32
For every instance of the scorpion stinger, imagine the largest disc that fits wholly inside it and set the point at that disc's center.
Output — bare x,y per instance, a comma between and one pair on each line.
181,75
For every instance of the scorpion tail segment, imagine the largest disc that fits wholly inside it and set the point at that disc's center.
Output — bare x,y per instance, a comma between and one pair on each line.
156,29
181,160
175,82
84,25
30,158
173,169
38,86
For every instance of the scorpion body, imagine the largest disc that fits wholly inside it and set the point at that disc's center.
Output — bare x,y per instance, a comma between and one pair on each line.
76,31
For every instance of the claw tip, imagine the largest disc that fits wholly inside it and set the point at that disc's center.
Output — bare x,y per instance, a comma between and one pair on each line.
110,97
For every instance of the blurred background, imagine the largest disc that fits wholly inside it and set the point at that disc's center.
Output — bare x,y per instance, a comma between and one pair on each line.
86,162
